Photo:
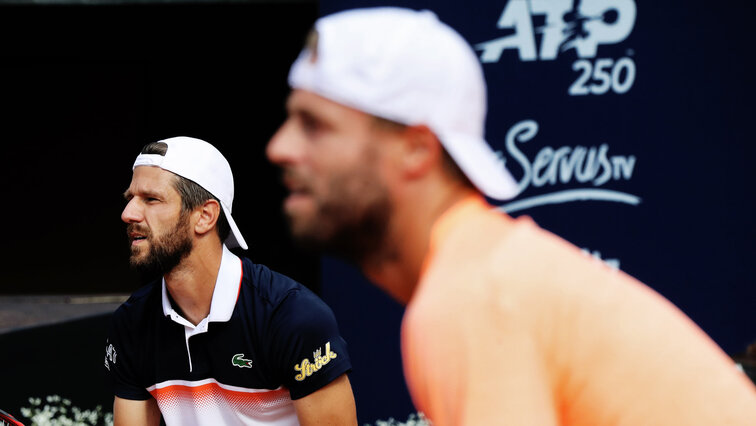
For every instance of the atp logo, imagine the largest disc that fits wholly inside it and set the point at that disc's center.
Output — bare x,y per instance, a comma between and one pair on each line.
564,25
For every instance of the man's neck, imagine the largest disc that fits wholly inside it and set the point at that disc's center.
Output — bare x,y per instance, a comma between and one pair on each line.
192,282
398,267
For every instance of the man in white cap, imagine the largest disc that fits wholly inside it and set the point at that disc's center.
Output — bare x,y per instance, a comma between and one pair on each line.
384,155
218,340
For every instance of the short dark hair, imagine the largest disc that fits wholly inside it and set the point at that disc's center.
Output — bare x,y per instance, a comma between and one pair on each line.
192,195
448,163
311,44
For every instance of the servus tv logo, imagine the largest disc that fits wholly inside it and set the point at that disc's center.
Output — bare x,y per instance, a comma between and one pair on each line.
541,30
592,168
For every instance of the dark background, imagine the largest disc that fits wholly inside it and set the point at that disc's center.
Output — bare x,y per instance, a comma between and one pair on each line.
85,87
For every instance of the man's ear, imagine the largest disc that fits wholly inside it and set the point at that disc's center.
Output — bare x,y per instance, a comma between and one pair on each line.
422,151
207,216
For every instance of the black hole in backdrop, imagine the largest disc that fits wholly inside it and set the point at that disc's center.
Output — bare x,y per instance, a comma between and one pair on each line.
84,87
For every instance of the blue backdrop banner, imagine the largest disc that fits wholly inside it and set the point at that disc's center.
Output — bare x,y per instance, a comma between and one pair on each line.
628,127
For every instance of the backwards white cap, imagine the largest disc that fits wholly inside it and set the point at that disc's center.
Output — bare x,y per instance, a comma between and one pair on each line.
203,164
407,66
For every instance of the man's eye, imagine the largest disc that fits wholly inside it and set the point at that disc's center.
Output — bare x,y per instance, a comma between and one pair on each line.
310,125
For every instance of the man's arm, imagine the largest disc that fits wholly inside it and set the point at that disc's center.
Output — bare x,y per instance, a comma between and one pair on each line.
332,404
127,412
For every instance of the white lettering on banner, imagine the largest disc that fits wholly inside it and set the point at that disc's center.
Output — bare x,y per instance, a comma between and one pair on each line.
613,263
579,25
582,25
586,165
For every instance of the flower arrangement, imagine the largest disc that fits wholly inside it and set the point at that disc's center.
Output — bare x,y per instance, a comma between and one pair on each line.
416,419
58,411
54,410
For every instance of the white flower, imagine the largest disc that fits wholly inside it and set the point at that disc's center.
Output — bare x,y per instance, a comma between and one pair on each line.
60,412
417,419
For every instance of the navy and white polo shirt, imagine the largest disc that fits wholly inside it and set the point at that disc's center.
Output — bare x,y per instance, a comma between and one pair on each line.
266,341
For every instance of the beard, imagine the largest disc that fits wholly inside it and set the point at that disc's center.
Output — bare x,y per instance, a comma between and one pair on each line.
165,252
351,221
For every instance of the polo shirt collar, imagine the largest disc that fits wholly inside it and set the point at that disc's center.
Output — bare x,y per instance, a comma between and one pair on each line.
225,294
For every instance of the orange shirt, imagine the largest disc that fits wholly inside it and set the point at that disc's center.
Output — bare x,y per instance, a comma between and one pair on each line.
512,325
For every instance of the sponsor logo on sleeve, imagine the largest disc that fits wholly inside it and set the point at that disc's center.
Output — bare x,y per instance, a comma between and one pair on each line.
319,359
110,355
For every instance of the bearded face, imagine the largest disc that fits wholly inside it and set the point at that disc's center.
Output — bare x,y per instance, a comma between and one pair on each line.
346,215
333,159
157,254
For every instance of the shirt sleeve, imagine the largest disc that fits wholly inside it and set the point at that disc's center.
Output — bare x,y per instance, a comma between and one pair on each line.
306,348
121,361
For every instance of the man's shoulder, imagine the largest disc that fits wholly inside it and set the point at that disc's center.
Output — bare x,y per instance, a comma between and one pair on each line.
142,300
269,286
488,235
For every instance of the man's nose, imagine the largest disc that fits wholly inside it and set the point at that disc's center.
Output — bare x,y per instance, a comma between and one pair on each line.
282,148
131,213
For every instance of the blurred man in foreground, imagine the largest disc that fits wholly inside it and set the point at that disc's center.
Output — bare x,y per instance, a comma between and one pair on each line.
384,156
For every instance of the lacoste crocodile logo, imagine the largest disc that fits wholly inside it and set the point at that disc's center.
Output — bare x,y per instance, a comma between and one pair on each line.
239,361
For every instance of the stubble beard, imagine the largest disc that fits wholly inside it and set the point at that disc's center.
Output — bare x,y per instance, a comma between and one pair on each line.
351,222
165,252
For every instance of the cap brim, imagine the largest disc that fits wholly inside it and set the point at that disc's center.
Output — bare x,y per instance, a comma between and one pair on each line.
235,238
481,165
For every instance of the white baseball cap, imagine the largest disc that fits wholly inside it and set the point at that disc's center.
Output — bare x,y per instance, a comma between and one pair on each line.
203,164
408,67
